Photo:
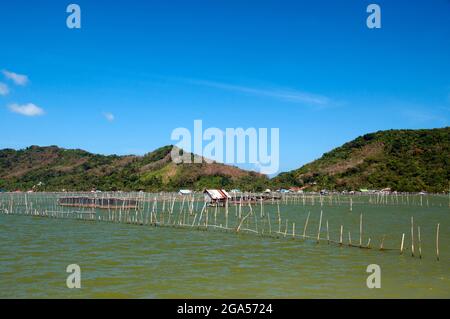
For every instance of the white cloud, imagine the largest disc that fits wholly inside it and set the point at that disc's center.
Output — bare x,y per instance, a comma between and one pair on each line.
18,79
109,116
4,90
280,94
26,109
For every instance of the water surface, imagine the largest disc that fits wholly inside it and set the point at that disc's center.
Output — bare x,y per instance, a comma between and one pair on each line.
133,261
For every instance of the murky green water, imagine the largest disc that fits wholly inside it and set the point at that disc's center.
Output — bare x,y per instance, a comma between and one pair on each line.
133,261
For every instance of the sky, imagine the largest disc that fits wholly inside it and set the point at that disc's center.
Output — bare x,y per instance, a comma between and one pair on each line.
137,70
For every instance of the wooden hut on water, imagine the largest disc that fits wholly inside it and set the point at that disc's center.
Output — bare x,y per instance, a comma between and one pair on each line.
216,196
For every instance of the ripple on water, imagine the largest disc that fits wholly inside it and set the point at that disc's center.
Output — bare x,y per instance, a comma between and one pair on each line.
128,261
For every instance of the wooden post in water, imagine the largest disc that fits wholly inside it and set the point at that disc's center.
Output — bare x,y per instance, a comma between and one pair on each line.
306,225
215,214
226,214
382,243
420,242
403,242
286,229
262,209
437,242
328,233
320,226
279,217
360,231
412,236
349,239
340,238
293,230
241,222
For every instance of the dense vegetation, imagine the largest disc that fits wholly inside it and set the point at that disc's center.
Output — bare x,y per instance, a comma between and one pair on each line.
404,160
56,169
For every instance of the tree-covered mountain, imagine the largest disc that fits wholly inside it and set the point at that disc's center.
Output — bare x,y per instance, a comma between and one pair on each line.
55,169
404,160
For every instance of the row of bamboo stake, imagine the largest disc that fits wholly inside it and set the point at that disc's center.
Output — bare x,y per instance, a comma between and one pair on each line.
203,222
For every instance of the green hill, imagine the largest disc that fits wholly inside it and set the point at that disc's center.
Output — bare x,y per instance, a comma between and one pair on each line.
54,169
404,160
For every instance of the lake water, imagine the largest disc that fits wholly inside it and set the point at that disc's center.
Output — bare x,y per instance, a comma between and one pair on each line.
134,261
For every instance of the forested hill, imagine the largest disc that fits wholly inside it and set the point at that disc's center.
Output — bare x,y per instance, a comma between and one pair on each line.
404,160
55,169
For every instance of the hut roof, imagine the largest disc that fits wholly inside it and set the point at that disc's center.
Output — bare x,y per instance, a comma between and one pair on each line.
217,194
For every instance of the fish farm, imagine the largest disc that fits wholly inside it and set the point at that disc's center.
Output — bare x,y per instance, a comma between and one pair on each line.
304,217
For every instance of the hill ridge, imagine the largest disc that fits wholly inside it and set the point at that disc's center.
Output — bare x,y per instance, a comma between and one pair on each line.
51,168
404,160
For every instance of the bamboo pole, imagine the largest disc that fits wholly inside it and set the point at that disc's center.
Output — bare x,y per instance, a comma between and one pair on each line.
437,242
242,221
279,218
360,230
328,234
382,243
420,242
195,217
286,229
403,242
412,236
256,223
262,209
226,213
320,226
306,225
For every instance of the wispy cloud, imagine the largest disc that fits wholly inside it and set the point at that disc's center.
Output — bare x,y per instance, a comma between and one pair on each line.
4,90
29,109
19,79
421,116
288,95
109,116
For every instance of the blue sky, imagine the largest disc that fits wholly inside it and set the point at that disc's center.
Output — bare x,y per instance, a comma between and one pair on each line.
139,69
